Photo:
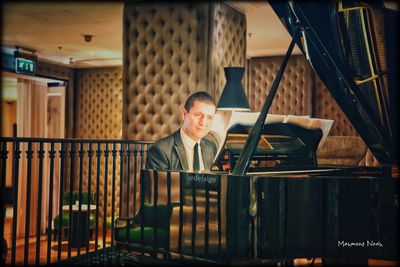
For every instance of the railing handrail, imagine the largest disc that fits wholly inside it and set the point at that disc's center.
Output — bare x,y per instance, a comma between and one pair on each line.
68,140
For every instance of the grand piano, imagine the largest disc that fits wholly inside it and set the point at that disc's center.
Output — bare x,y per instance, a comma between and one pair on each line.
295,208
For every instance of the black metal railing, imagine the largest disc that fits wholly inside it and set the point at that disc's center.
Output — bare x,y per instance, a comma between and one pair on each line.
69,186
65,189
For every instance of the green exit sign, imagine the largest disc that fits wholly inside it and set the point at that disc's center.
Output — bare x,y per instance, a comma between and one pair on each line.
25,66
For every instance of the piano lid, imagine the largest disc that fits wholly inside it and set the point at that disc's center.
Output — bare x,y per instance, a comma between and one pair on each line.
353,49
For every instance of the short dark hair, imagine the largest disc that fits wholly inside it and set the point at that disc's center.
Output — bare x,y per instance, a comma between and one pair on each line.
202,96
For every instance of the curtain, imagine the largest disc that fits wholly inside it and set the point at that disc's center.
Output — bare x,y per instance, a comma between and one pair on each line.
31,122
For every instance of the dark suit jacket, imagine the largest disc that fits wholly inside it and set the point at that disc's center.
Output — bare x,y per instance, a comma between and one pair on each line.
169,153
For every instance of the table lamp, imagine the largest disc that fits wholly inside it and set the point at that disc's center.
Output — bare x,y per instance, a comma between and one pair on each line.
233,96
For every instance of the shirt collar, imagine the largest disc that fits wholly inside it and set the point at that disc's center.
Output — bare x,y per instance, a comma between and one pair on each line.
187,140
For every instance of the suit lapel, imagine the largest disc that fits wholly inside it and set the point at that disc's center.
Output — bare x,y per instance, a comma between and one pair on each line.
180,150
207,155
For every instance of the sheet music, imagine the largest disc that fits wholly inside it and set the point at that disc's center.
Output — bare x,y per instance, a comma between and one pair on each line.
323,124
222,122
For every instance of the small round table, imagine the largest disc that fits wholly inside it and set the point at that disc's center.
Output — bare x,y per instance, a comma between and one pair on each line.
80,223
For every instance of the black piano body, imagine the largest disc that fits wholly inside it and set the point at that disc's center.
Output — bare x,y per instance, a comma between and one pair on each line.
328,212
344,214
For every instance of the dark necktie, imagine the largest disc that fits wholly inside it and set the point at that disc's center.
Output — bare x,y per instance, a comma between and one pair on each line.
196,162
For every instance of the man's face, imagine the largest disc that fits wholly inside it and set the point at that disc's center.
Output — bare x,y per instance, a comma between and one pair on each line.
197,121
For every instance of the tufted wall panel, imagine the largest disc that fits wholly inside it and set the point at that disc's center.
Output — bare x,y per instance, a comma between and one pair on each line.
99,116
295,90
168,54
325,106
99,108
301,92
229,42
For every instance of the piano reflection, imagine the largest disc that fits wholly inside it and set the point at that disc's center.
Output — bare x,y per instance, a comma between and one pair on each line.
288,206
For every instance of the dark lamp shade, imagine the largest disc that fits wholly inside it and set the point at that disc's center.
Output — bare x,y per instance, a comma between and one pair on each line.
233,96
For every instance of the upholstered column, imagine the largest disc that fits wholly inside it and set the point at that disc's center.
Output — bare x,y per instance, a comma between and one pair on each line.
170,51
228,33
99,116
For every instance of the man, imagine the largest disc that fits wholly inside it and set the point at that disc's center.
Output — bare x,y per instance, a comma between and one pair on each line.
187,149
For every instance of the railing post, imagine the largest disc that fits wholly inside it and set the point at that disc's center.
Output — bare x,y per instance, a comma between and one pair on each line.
155,199
29,155
238,217
128,170
90,157
50,230
71,189
81,155
194,216
181,201
40,192
141,212
98,155
121,175
3,165
63,153
169,204
114,155
219,216
207,218
17,156
135,152
106,154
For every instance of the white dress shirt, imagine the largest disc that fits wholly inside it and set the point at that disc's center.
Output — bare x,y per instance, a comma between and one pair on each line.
188,144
